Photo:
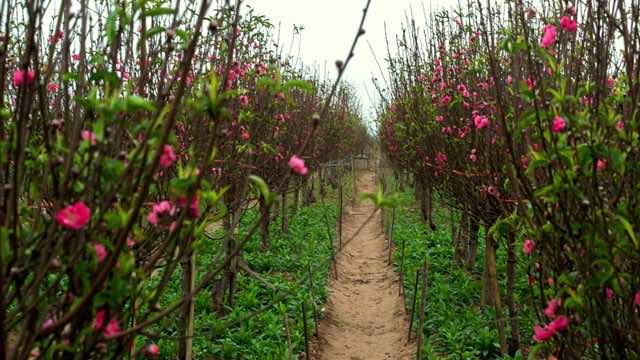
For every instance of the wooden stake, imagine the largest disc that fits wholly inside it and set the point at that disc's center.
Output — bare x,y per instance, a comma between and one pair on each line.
413,302
306,335
423,302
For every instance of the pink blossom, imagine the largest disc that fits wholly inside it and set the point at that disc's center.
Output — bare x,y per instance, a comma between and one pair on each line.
89,136
112,329
445,100
244,100
168,157
441,159
480,121
98,321
552,307
23,77
601,164
620,125
568,24
297,165
75,57
194,207
610,294
637,298
611,82
153,350
101,252
47,323
74,216
52,87
57,36
542,334
244,134
559,324
439,118
473,157
549,36
529,246
509,79
131,242
160,209
559,124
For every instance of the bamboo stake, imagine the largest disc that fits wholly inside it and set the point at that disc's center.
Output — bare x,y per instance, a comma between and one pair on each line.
413,302
306,335
313,302
423,301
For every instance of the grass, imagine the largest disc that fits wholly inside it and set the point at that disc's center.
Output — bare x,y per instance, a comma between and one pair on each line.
285,265
456,326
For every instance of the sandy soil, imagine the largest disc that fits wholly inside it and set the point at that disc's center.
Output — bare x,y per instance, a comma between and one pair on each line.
365,318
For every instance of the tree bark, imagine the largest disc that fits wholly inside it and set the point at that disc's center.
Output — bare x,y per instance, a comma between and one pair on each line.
491,290
265,221
472,254
514,343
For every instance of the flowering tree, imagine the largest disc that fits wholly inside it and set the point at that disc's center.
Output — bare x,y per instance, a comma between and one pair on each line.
526,121
127,129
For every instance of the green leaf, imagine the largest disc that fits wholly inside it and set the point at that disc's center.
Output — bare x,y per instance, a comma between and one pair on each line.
135,102
158,11
154,31
629,228
111,26
262,188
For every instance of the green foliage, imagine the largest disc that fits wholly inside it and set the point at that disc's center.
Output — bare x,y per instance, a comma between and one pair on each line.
240,334
456,327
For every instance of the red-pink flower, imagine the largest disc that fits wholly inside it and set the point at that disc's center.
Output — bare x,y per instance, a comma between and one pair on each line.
47,323
112,329
529,246
568,24
542,334
439,118
620,125
160,209
101,252
601,164
168,157
558,125
552,307
52,87
297,165
480,121
98,321
473,157
23,77
153,350
559,324
637,298
244,100
74,216
548,36
89,136
610,294
75,57
194,207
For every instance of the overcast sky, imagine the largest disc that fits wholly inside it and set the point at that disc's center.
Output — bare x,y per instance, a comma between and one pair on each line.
329,28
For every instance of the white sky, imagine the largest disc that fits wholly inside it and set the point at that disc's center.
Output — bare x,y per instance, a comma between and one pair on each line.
330,26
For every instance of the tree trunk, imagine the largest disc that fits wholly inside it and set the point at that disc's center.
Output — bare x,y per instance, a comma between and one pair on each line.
514,343
265,220
284,214
491,290
185,340
472,254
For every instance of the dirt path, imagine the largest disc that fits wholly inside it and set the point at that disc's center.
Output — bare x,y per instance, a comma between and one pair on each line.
365,318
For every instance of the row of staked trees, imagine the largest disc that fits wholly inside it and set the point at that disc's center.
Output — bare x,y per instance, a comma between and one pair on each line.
523,117
127,129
